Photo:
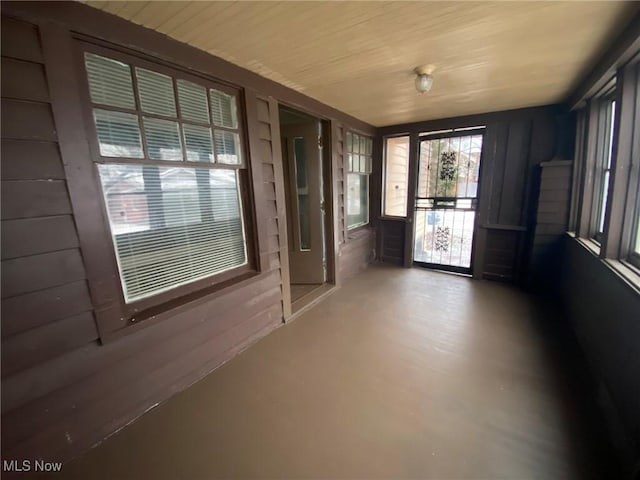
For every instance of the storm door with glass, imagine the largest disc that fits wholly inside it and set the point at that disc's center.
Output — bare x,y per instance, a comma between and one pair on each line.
446,200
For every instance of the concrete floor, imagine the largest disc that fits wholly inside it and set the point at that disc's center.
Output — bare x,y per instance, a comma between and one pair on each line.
399,374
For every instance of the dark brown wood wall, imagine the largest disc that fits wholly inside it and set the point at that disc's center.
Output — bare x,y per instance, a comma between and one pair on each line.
515,143
356,248
42,268
358,252
552,222
62,390
604,310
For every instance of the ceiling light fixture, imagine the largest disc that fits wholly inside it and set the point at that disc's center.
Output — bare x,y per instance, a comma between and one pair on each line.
424,79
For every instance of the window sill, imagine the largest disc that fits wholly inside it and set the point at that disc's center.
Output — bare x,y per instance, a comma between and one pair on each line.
393,219
629,274
359,232
624,272
589,244
156,314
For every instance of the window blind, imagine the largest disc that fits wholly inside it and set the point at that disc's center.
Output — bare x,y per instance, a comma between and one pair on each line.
171,225
172,222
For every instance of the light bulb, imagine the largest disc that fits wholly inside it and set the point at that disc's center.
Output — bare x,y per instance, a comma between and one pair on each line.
423,82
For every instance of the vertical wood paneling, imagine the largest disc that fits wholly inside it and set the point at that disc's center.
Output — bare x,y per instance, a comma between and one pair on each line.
552,220
516,168
494,174
515,143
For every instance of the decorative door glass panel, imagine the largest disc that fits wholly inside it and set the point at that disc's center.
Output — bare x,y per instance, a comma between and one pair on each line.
446,201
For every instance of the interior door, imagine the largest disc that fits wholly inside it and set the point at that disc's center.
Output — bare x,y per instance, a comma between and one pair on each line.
446,200
305,225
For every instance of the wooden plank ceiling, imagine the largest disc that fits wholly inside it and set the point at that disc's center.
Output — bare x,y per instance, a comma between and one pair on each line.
359,56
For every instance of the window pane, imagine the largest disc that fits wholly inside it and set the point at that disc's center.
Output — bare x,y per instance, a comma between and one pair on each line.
156,93
610,136
605,167
227,147
603,203
349,142
172,225
193,102
109,81
223,109
118,134
357,200
302,193
396,177
163,139
197,142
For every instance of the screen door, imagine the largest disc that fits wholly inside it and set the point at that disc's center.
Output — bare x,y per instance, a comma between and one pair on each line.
446,200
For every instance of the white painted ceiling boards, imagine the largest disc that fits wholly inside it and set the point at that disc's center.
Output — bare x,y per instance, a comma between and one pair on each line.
359,56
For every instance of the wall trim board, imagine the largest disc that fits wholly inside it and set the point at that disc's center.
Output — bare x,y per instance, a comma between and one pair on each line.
86,20
474,120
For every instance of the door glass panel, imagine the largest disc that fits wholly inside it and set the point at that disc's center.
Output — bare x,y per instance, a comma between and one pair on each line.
446,200
396,178
302,193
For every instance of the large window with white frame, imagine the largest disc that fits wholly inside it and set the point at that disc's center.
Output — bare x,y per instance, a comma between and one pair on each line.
359,161
170,163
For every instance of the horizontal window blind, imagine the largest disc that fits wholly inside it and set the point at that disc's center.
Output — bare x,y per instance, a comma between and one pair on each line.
173,222
172,225
156,93
193,102
118,134
109,81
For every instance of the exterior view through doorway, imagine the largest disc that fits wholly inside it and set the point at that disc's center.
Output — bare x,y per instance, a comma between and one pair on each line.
306,181
447,199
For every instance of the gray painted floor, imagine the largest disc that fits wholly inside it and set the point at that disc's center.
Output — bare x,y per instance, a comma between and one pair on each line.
399,374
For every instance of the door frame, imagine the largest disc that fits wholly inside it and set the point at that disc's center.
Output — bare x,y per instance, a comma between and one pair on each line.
329,190
414,164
